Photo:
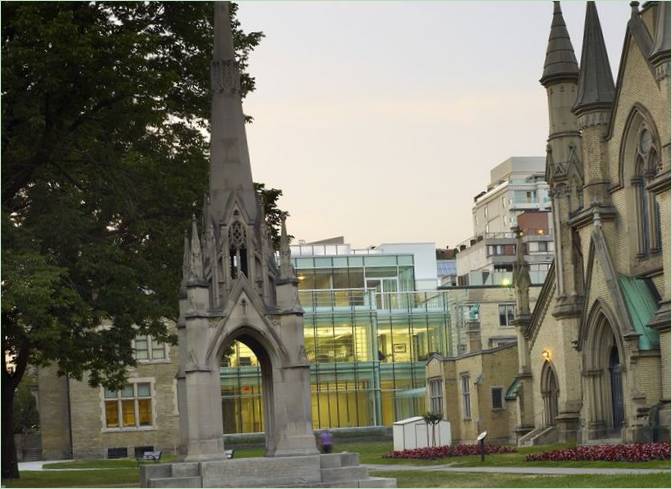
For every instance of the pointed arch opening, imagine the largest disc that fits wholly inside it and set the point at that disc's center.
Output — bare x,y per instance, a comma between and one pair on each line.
604,362
549,394
247,392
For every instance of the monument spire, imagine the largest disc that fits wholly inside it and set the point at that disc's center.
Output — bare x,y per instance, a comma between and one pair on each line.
230,172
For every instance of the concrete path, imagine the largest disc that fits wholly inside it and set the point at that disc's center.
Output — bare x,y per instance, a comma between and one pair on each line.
38,466
514,470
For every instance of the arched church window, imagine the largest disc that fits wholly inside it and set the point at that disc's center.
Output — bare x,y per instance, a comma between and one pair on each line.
646,168
237,249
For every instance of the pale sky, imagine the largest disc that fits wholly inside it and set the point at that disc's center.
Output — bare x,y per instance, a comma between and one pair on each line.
380,121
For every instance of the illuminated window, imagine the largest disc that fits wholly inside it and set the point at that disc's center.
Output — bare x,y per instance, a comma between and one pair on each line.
146,348
130,407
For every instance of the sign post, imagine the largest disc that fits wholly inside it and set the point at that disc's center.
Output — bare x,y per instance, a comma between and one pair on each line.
481,442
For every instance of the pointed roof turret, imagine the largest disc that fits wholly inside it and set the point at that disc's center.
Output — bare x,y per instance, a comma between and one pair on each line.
230,171
560,63
661,43
596,83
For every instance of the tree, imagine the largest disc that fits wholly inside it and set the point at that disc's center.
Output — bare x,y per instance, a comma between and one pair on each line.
105,112
26,416
432,419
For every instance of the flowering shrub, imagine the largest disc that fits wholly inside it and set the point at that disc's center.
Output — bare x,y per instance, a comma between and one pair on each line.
430,453
632,452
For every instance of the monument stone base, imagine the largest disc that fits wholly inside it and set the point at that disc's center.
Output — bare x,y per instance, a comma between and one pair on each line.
326,470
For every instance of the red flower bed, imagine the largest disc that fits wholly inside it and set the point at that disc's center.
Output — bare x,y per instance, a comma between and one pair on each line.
632,452
430,453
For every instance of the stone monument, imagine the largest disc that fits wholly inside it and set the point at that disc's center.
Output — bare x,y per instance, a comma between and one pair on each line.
232,289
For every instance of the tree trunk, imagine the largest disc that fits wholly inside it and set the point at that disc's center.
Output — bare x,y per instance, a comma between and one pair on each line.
10,466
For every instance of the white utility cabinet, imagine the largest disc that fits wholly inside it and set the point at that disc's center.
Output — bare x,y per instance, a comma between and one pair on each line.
413,433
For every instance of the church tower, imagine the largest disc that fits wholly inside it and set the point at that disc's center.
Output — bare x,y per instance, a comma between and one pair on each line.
232,289
566,178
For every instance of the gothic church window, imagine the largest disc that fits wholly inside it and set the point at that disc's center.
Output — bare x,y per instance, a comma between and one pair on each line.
648,209
238,249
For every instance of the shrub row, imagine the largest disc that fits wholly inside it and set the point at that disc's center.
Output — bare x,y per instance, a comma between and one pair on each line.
430,453
632,452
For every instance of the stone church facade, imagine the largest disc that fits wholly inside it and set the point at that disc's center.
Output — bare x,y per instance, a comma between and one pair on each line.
594,354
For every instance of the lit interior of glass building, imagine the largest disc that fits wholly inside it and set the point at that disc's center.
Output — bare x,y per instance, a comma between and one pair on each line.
368,335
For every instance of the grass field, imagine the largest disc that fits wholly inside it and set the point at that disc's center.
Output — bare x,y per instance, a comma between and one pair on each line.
437,479
125,471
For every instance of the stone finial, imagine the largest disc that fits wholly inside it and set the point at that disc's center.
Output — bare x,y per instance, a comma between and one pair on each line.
196,254
521,276
597,220
596,83
186,257
285,254
560,62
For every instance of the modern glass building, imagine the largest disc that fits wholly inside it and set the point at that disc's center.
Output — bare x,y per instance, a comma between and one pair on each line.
368,334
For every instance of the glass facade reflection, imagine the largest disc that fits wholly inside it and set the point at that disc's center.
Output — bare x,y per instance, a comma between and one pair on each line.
368,335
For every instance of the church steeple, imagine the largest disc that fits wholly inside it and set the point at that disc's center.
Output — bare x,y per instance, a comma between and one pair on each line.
560,63
596,83
230,172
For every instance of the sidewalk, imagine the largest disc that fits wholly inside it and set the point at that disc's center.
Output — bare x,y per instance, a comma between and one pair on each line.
513,470
38,466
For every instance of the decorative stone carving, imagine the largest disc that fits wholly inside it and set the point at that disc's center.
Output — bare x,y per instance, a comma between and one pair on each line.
225,76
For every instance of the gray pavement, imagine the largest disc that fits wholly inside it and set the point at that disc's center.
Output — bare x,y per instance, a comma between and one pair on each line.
513,470
38,466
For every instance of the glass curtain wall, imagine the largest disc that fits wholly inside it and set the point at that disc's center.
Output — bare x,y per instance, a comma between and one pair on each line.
367,335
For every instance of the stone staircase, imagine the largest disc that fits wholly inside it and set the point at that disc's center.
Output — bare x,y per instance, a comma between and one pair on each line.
539,436
327,470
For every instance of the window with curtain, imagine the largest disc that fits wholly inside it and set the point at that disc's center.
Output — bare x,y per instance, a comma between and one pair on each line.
506,314
130,407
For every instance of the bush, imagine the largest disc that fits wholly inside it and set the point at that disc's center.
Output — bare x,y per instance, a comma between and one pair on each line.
430,453
632,452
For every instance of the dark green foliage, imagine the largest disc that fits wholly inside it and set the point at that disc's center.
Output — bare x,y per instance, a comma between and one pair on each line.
26,416
105,112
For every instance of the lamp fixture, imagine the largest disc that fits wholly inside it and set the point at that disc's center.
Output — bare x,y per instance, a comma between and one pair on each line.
546,354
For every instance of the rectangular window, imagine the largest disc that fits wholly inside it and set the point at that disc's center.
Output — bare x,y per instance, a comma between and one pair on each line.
466,398
506,314
147,348
436,396
497,397
130,407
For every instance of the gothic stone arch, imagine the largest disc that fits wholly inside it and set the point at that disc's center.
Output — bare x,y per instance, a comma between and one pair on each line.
549,393
277,340
604,374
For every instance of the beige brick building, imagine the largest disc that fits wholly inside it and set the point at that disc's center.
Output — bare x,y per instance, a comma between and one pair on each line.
78,421
595,360
593,353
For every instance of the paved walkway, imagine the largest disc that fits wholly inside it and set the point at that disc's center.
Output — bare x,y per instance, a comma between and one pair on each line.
38,465
514,470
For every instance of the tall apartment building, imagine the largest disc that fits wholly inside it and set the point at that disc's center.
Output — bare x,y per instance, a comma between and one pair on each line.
516,196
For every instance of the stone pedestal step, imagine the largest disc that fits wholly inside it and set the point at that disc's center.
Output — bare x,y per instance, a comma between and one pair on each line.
175,482
343,459
186,470
338,474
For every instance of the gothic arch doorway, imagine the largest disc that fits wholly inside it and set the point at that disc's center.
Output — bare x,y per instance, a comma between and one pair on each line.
616,385
248,400
549,394
604,376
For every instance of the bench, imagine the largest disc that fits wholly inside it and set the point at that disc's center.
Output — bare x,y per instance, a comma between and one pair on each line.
229,453
154,456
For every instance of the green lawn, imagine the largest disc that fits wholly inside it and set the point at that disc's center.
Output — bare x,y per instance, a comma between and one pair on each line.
125,471
121,477
452,479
